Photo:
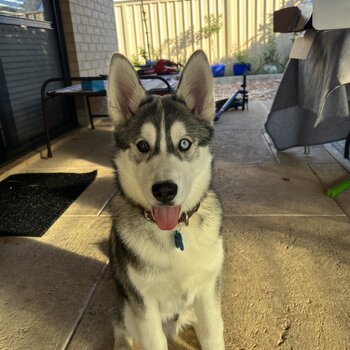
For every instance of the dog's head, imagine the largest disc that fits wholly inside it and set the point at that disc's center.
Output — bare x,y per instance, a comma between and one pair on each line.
163,144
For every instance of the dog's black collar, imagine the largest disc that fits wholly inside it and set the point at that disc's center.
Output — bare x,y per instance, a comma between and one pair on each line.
185,217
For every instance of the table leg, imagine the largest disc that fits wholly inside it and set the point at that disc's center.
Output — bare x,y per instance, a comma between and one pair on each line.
46,128
90,115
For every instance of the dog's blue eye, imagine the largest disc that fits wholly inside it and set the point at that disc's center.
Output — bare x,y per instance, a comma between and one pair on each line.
185,145
142,146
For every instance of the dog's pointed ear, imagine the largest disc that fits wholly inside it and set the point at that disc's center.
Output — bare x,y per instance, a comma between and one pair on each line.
196,86
125,91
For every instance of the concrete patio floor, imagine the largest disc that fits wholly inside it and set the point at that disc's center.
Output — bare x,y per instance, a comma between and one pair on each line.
287,269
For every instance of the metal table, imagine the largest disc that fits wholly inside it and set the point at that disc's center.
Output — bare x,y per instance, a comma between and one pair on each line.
153,84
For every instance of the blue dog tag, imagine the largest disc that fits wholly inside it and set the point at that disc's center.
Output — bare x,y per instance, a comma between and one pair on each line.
178,240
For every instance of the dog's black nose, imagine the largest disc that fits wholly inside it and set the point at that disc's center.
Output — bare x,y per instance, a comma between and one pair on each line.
164,191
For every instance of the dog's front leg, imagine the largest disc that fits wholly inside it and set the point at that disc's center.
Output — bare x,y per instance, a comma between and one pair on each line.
210,328
150,329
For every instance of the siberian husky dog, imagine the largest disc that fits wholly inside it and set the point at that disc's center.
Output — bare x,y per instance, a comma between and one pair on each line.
166,247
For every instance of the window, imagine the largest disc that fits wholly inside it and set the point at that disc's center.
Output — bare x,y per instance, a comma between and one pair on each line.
29,13
29,9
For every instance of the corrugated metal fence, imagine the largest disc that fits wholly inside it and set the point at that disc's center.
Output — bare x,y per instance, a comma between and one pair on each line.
175,28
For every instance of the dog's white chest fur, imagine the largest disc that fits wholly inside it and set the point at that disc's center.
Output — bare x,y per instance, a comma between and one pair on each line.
182,274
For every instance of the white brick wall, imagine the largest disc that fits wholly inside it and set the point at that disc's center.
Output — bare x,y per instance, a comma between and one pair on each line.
91,38
90,35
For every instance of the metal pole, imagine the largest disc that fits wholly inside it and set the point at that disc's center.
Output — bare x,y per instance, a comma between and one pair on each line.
146,29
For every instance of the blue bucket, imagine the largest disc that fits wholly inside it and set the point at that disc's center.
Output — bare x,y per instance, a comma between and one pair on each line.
217,70
241,68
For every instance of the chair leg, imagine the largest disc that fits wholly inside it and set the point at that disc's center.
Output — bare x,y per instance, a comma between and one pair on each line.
347,146
244,93
245,100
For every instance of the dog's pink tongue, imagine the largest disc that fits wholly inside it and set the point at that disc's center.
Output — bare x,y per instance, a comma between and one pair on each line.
166,217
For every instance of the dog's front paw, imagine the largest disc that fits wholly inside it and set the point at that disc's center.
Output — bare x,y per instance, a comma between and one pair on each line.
213,345
124,343
122,347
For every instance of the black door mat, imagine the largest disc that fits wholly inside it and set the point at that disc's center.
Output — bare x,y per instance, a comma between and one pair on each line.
31,203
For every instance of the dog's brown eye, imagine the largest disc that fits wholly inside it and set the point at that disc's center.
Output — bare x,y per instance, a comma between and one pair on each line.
142,146
184,145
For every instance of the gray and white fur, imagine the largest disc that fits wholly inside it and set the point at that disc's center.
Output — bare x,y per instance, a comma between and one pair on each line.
163,160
